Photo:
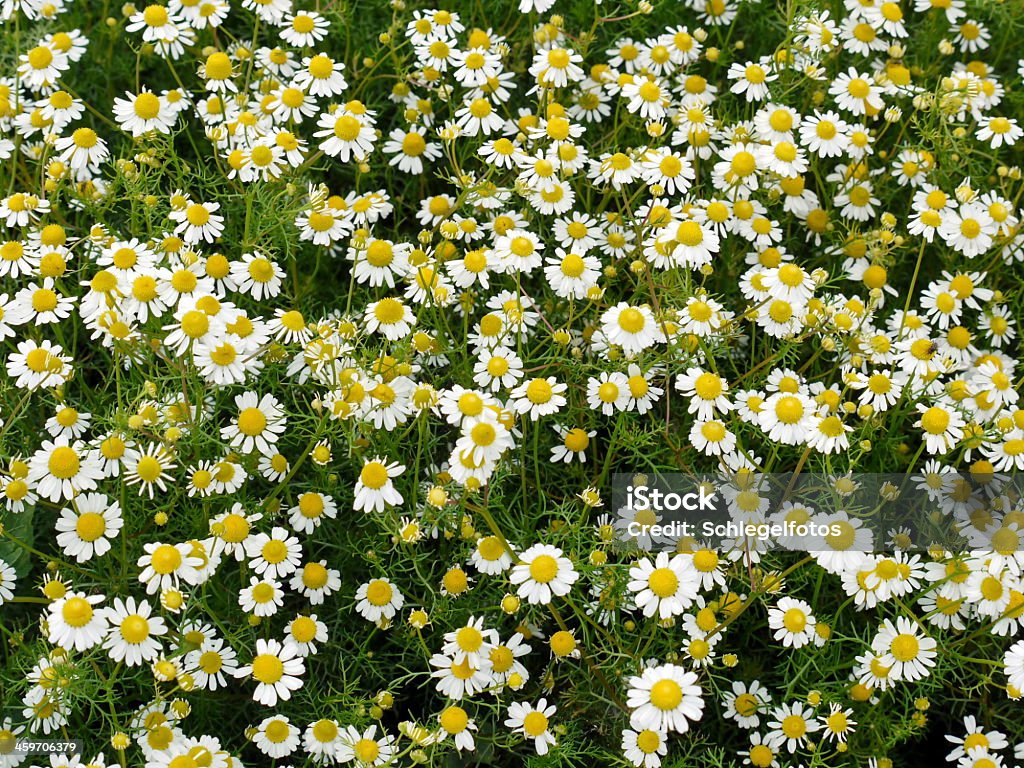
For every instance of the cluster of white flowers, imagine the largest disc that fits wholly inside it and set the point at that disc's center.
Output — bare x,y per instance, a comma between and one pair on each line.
585,239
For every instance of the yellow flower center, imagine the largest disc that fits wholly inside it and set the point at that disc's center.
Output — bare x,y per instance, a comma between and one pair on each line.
905,647
378,593
745,704
40,57
165,559
389,311
147,106
794,726
454,719
858,88
218,66
794,620
134,629
935,420
663,582
535,724
374,475
543,569
90,526
666,695
267,668
64,462
77,612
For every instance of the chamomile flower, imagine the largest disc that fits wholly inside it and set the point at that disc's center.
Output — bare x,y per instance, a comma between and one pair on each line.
793,622
752,80
273,555
904,649
707,391
149,469
133,635
198,222
86,527
211,664
276,737
791,725
320,75
75,623
664,698
315,581
665,587
633,328
787,417
62,469
346,134
691,244
1014,663
41,67
8,578
572,275
82,151
304,29
556,67
277,670
491,556
257,275
305,631
543,572
856,93
310,510
390,317
712,437
374,489
942,426
258,425
165,566
378,599
499,368
539,397
141,113
746,703
409,149
455,721
478,117
364,747
533,722
608,393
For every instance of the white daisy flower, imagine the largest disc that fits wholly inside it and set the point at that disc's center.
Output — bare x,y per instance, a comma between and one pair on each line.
277,670
664,698
132,636
276,737
665,586
378,599
374,490
905,649
74,623
793,622
304,29
533,722
633,328
86,528
274,555
258,425
543,572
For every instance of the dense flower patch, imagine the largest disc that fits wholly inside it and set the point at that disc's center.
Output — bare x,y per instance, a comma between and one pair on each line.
325,327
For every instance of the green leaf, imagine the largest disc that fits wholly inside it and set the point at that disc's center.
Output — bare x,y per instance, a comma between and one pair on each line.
19,525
